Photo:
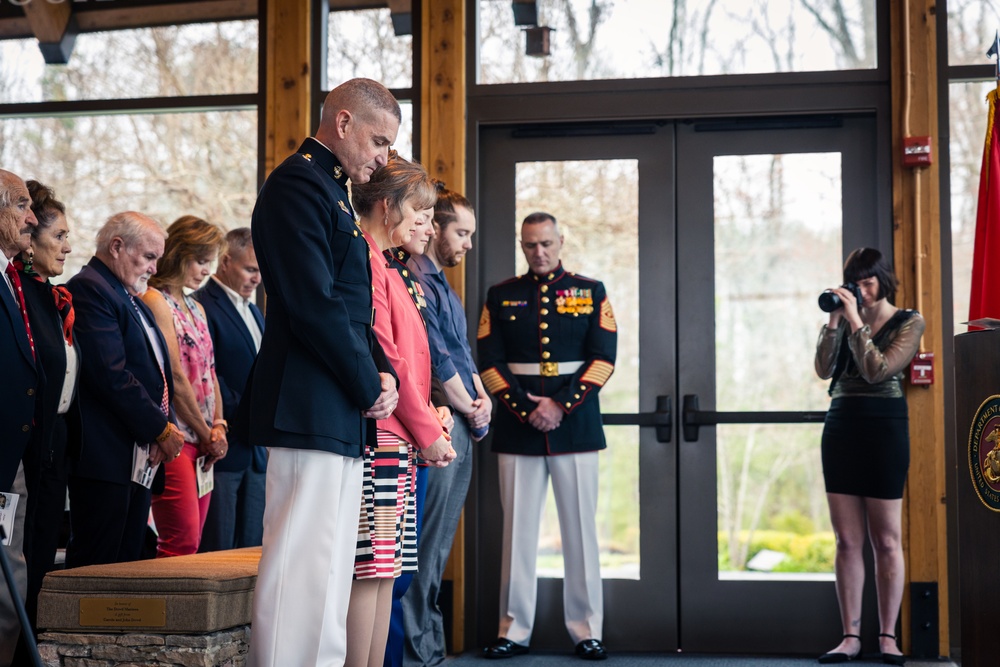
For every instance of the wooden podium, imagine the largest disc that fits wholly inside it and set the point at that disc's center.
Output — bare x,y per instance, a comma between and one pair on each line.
977,425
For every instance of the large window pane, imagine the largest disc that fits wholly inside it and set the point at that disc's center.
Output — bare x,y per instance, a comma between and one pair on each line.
972,25
404,139
361,43
164,165
600,39
778,222
173,61
967,120
597,205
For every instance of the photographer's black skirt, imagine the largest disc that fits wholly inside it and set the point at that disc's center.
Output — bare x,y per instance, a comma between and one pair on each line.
866,447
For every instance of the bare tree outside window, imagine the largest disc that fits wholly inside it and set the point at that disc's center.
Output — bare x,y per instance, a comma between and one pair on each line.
972,27
166,164
171,61
618,39
777,244
362,43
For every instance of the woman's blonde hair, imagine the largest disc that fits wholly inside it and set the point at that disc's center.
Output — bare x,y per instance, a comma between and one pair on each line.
188,238
398,181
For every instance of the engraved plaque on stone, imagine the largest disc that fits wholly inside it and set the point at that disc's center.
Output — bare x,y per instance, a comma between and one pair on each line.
123,612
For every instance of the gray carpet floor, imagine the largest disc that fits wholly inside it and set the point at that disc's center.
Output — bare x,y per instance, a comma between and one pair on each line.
472,659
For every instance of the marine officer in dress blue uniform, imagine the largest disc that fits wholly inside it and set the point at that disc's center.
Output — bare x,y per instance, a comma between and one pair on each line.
547,344
320,381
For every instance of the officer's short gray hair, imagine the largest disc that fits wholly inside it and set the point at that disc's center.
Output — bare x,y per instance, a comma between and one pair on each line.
539,217
362,97
131,227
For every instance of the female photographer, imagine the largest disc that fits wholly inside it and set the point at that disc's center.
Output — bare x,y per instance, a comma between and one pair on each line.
866,449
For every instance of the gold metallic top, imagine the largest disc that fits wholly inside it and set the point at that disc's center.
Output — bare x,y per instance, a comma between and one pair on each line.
878,363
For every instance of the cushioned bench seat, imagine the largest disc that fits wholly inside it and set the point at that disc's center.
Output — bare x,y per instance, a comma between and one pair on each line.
187,594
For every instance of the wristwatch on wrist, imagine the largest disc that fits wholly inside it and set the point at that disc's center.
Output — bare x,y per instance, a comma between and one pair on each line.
223,423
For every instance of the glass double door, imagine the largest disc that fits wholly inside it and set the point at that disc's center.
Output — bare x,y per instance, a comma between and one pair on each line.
713,240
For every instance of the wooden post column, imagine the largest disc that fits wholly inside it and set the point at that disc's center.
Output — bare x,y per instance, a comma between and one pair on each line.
917,243
442,150
288,95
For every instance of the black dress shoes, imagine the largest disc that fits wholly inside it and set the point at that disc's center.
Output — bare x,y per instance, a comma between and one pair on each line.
833,658
504,648
591,649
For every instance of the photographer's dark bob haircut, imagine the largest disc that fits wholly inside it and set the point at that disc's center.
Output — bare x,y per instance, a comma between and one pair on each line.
867,262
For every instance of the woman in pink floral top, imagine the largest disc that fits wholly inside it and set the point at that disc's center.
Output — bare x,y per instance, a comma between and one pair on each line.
179,512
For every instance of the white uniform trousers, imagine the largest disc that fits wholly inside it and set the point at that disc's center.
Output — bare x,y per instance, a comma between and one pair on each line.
523,485
307,565
10,626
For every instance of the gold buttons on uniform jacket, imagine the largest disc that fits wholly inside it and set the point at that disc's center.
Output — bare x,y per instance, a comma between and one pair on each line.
506,396
569,405
31,391
355,232
545,311
24,429
544,288
545,340
546,354
524,414
576,395
405,273
543,325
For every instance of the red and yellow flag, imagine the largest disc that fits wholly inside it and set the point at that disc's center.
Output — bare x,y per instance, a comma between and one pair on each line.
985,294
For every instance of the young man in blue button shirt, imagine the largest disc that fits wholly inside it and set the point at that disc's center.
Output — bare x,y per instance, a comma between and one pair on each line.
451,358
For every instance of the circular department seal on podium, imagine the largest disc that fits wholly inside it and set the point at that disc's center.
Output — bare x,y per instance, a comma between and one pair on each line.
984,452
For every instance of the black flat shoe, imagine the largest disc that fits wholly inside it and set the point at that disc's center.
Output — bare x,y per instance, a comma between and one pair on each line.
892,658
591,649
833,658
504,648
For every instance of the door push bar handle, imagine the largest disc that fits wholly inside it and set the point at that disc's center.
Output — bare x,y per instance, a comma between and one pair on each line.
661,419
693,419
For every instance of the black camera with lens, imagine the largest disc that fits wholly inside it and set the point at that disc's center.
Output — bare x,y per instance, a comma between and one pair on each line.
829,301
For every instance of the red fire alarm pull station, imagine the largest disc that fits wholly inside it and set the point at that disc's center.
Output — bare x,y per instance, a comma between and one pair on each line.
922,368
916,151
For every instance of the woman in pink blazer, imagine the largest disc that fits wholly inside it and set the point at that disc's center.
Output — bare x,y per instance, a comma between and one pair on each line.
389,206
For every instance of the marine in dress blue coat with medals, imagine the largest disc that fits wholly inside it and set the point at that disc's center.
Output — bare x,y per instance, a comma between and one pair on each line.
551,335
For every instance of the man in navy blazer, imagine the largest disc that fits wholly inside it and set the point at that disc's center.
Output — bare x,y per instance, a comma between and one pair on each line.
319,380
236,514
124,394
17,389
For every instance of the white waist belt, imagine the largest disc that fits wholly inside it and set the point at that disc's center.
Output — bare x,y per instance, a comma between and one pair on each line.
546,368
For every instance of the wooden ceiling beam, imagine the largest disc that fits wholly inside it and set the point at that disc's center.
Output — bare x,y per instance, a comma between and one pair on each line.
48,20
121,18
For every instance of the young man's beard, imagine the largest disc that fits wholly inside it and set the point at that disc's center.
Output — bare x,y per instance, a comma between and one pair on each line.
447,256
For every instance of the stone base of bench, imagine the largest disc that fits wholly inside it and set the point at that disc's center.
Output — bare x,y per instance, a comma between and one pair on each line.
185,595
223,648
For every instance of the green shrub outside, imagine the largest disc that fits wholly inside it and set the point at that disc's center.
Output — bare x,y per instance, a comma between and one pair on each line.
811,553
